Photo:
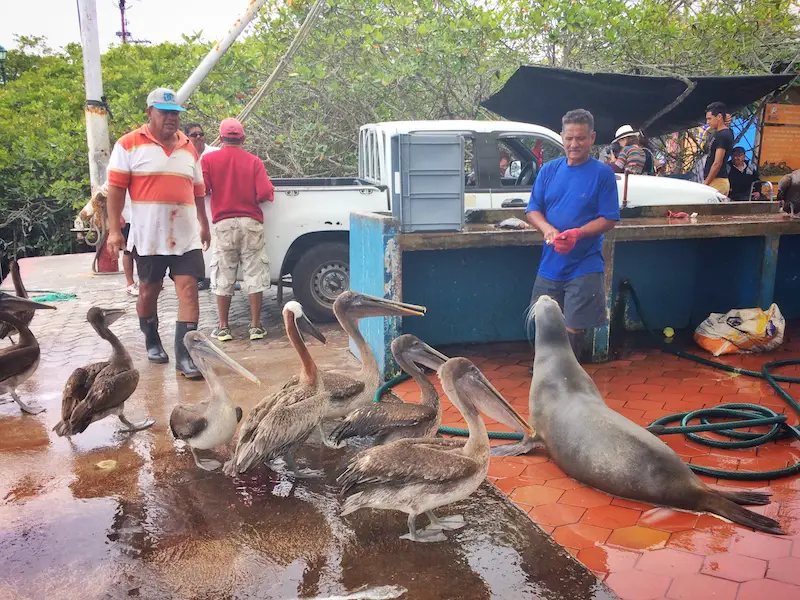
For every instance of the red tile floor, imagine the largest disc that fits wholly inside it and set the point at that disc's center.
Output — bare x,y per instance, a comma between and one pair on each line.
643,552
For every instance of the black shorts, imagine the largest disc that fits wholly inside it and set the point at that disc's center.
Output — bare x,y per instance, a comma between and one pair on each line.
153,268
125,231
582,299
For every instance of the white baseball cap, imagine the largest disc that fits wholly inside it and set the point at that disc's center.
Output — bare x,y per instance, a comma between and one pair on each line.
164,99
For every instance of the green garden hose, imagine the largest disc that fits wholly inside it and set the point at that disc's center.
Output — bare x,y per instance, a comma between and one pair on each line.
745,416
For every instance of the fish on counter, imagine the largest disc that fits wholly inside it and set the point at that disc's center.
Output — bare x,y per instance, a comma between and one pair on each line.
513,223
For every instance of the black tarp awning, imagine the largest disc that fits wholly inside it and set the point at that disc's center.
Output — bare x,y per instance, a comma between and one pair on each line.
542,95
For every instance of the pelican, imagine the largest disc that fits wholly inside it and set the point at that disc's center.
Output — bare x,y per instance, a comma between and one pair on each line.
280,423
352,390
210,423
26,316
19,362
390,422
100,389
418,475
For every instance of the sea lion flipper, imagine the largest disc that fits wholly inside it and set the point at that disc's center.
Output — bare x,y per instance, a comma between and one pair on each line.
746,498
720,505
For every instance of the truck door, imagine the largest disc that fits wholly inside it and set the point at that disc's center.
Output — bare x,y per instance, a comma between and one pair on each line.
519,158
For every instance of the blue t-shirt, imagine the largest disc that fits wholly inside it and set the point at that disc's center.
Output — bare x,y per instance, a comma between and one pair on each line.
570,197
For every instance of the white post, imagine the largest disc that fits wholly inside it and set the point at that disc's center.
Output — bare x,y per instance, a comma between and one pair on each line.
216,52
95,110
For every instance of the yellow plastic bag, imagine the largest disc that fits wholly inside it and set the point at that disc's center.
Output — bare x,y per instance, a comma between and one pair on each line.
745,330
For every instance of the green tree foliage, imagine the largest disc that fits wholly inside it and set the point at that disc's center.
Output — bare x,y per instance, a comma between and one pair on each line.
364,61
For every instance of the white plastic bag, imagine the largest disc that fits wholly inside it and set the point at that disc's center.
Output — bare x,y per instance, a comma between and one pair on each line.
745,330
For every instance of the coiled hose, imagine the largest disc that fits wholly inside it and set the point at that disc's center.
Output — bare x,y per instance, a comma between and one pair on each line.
745,416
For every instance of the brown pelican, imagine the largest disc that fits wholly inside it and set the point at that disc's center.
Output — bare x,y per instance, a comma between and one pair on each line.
418,475
210,423
26,316
100,389
280,423
18,362
351,390
390,422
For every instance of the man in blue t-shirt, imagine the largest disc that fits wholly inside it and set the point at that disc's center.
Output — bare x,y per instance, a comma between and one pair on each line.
573,203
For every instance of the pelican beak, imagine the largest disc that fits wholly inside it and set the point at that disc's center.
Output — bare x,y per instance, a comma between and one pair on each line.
205,349
112,314
306,326
495,406
424,355
9,302
370,306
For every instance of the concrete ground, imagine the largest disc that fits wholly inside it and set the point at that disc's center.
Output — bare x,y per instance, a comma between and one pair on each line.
109,515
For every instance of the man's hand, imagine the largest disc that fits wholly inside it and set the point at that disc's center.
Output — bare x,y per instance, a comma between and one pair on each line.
565,242
115,242
205,237
550,234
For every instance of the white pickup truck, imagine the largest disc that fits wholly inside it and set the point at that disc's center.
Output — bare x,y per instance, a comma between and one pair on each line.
306,228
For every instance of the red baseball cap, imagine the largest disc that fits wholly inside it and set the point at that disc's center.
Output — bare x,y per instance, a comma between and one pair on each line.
231,128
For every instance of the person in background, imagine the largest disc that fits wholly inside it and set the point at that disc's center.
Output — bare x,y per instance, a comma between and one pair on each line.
631,158
160,168
742,174
132,288
715,171
196,134
238,183
574,201
505,164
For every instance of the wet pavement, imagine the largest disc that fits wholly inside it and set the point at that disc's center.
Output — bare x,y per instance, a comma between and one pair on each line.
109,515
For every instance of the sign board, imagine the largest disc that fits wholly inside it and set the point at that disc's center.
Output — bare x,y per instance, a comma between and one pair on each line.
780,140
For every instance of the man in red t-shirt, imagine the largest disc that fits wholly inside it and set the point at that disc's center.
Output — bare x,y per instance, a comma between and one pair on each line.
238,184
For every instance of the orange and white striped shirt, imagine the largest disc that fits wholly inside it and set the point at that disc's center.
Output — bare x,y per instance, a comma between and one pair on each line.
163,187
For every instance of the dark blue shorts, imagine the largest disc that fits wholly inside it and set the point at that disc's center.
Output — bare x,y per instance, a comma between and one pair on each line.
582,299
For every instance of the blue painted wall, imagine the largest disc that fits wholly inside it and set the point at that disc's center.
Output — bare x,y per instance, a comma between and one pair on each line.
472,295
787,281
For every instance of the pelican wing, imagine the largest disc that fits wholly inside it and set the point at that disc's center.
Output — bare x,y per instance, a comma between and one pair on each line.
111,388
16,360
340,385
188,420
77,387
282,423
402,463
380,418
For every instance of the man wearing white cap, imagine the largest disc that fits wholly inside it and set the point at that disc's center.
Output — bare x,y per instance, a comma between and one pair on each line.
160,168
238,184
632,158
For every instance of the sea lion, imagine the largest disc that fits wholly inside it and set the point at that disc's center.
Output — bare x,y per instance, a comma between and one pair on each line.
601,448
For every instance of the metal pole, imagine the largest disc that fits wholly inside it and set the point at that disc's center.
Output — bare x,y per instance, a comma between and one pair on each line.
95,109
204,68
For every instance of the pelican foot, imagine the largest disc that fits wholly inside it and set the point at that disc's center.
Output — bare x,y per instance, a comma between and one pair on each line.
208,464
449,523
425,536
31,409
134,427
524,446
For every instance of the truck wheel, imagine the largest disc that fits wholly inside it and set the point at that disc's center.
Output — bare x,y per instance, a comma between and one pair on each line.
319,277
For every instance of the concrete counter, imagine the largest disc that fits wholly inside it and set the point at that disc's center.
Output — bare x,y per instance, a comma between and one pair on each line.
477,282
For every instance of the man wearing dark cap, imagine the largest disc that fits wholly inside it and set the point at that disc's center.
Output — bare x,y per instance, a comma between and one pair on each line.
238,184
743,174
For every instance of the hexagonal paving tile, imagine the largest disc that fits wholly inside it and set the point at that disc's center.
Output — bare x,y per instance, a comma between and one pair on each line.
611,516
630,585
670,562
667,519
585,497
548,470
580,536
695,587
638,538
605,559
767,589
760,545
785,569
536,495
734,567
557,514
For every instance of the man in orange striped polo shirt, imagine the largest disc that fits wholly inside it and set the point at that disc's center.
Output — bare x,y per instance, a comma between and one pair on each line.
160,168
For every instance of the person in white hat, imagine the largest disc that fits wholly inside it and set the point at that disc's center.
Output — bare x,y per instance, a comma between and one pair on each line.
160,168
632,157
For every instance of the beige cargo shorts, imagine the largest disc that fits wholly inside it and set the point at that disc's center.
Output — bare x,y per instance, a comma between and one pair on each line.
239,241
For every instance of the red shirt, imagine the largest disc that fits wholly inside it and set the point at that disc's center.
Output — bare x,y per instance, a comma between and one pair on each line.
237,182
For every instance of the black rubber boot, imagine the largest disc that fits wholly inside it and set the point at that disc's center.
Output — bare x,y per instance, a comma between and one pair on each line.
183,362
152,341
576,341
